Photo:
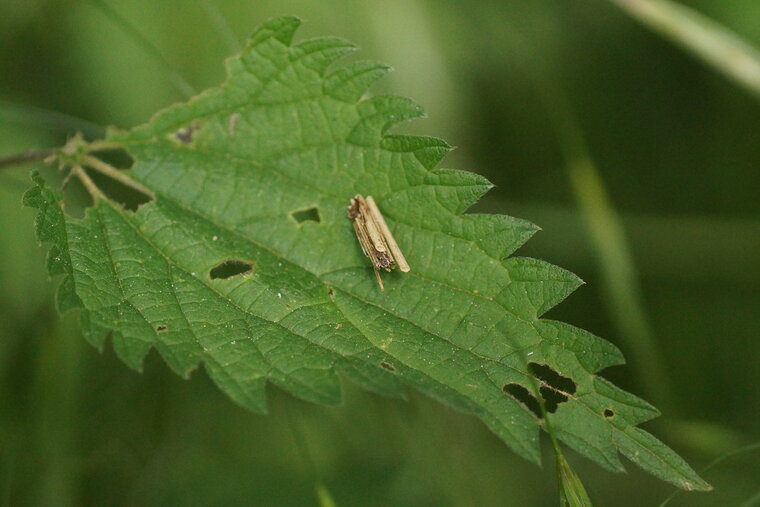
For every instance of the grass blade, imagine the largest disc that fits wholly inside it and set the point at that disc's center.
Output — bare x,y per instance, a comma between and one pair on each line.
703,37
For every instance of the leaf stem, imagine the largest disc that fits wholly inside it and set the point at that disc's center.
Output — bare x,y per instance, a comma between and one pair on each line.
294,422
621,283
23,158
221,26
607,234
746,449
48,119
102,144
110,171
92,189
709,41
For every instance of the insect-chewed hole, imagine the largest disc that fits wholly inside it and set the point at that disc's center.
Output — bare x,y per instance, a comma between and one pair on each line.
229,268
185,134
115,157
608,412
306,215
129,197
555,388
388,366
161,328
551,377
522,395
552,398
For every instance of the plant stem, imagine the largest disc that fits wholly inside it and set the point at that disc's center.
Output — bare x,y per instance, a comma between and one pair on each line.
112,172
92,189
324,497
712,43
102,144
746,449
223,30
572,493
23,158
624,300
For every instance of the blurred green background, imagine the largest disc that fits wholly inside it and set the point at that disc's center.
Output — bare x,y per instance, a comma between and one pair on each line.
676,147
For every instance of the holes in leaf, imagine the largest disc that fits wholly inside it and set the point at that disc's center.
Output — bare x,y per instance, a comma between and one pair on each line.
76,199
129,197
608,412
229,268
161,328
306,215
185,135
548,375
103,168
552,398
388,366
555,388
116,157
522,395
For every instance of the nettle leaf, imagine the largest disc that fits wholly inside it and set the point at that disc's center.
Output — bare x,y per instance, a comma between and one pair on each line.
245,261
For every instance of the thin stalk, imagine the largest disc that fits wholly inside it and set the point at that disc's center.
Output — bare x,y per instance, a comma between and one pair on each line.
102,144
92,189
571,490
709,41
755,446
54,120
112,172
222,28
624,300
321,491
324,497
572,493
24,158
620,277
753,501
179,82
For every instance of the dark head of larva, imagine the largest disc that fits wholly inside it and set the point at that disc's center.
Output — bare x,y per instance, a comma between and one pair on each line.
385,261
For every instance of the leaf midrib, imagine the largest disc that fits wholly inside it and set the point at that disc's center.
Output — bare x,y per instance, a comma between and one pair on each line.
319,277
334,355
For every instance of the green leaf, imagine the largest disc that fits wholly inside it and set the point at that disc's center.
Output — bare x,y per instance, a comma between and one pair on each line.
572,493
222,269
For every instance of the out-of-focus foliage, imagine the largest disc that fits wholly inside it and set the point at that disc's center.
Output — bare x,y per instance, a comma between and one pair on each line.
229,171
705,38
676,147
